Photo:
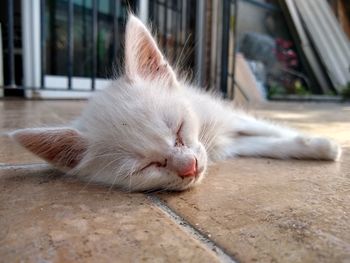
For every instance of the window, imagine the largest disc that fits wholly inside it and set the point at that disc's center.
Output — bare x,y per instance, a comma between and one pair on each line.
111,16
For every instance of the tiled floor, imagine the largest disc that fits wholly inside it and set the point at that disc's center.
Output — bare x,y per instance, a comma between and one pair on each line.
246,210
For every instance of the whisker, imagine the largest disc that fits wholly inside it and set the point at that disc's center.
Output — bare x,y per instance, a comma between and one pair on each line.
86,185
182,51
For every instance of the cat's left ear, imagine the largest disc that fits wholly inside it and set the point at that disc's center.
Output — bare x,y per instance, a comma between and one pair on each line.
63,147
143,59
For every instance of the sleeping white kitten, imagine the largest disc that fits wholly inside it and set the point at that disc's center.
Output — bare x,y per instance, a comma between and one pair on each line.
149,130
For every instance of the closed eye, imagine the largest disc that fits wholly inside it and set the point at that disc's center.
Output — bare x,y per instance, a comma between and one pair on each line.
178,141
156,164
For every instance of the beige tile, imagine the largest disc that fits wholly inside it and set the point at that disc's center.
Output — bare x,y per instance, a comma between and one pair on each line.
278,211
256,209
49,218
273,211
326,119
12,153
16,114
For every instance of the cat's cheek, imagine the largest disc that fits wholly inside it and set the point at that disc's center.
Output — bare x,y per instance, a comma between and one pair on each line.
202,158
155,178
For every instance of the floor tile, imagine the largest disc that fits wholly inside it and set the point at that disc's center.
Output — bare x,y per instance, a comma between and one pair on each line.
12,153
324,119
273,211
47,217
19,114
278,211
255,209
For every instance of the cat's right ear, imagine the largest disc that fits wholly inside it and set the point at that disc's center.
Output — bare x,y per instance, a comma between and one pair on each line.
62,147
143,59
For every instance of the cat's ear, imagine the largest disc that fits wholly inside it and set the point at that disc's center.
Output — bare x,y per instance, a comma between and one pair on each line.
143,59
62,147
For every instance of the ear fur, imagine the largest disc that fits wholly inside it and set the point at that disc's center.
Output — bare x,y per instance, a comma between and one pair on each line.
62,147
143,59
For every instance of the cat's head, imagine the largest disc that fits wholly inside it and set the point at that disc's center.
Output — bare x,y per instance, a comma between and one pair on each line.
140,134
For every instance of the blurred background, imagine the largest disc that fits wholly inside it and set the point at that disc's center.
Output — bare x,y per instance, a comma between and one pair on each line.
249,50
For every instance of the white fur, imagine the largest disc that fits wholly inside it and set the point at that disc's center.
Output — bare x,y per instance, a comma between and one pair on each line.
134,122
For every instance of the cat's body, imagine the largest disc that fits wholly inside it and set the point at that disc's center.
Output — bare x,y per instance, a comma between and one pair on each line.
149,130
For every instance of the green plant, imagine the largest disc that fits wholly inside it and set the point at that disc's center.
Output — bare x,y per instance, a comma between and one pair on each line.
300,89
275,89
346,92
330,93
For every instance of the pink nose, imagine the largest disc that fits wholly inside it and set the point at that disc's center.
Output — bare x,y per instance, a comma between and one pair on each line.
190,169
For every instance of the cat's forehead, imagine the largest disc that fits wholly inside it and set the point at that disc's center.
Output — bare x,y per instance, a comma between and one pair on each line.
134,109
150,99
135,116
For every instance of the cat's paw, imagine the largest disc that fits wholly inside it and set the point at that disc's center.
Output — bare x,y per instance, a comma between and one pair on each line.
322,148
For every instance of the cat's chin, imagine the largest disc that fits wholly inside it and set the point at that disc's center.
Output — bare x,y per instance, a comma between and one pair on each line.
179,186
187,183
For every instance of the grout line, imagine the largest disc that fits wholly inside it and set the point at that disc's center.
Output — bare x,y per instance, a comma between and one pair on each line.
189,229
5,166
